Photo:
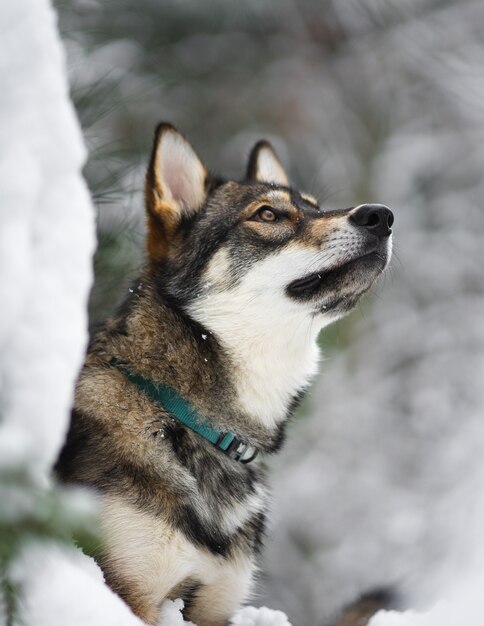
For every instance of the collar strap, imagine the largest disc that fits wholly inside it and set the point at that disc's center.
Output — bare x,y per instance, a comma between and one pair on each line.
226,441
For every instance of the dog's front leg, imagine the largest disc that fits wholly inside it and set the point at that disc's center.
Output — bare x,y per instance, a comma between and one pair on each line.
144,558
226,585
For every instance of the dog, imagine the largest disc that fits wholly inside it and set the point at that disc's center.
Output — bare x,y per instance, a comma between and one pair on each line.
189,386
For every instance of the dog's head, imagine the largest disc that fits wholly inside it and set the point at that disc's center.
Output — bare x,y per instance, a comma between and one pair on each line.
258,245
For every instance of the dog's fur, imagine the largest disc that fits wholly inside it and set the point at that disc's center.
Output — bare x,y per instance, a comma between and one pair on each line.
240,279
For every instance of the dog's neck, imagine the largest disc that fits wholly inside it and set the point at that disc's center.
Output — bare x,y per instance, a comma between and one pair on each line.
269,371
241,368
274,353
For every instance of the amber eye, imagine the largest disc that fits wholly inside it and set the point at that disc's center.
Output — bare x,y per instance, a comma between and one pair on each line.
267,214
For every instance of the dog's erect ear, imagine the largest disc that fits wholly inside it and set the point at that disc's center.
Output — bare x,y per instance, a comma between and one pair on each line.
264,166
175,188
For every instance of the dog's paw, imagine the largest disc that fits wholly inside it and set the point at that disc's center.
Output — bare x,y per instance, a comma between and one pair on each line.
251,616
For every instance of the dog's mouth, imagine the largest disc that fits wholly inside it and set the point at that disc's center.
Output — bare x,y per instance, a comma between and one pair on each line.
357,273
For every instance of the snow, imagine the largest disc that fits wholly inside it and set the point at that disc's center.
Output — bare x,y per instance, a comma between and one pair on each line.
171,613
63,586
262,616
463,606
46,240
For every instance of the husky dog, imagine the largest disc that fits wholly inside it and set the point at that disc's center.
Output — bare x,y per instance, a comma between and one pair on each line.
191,384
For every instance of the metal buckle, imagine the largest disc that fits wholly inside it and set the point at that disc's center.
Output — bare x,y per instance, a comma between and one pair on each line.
238,448
255,452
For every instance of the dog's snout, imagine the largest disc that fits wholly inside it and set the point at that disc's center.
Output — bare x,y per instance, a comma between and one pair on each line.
377,218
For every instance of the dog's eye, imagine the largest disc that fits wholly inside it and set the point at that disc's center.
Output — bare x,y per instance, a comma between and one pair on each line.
266,214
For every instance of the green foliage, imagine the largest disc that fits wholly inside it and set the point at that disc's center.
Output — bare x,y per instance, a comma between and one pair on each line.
115,264
34,512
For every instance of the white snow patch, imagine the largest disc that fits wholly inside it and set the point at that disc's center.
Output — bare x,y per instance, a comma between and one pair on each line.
46,239
251,616
61,585
465,606
171,614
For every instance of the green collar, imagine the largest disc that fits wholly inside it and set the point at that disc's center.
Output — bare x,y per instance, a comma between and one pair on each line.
184,412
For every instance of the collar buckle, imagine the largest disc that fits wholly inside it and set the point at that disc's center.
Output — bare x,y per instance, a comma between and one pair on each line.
240,451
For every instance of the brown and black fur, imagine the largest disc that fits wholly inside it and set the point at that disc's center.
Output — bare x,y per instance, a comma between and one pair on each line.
123,445
179,517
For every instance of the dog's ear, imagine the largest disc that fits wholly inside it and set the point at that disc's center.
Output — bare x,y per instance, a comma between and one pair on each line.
264,166
176,185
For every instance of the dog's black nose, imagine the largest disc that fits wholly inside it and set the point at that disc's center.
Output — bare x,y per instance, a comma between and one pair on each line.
377,218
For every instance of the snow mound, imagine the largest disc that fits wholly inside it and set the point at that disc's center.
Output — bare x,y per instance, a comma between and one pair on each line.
63,586
463,605
46,239
251,616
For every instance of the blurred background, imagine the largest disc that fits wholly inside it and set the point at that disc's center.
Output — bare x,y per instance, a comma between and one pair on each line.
365,101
